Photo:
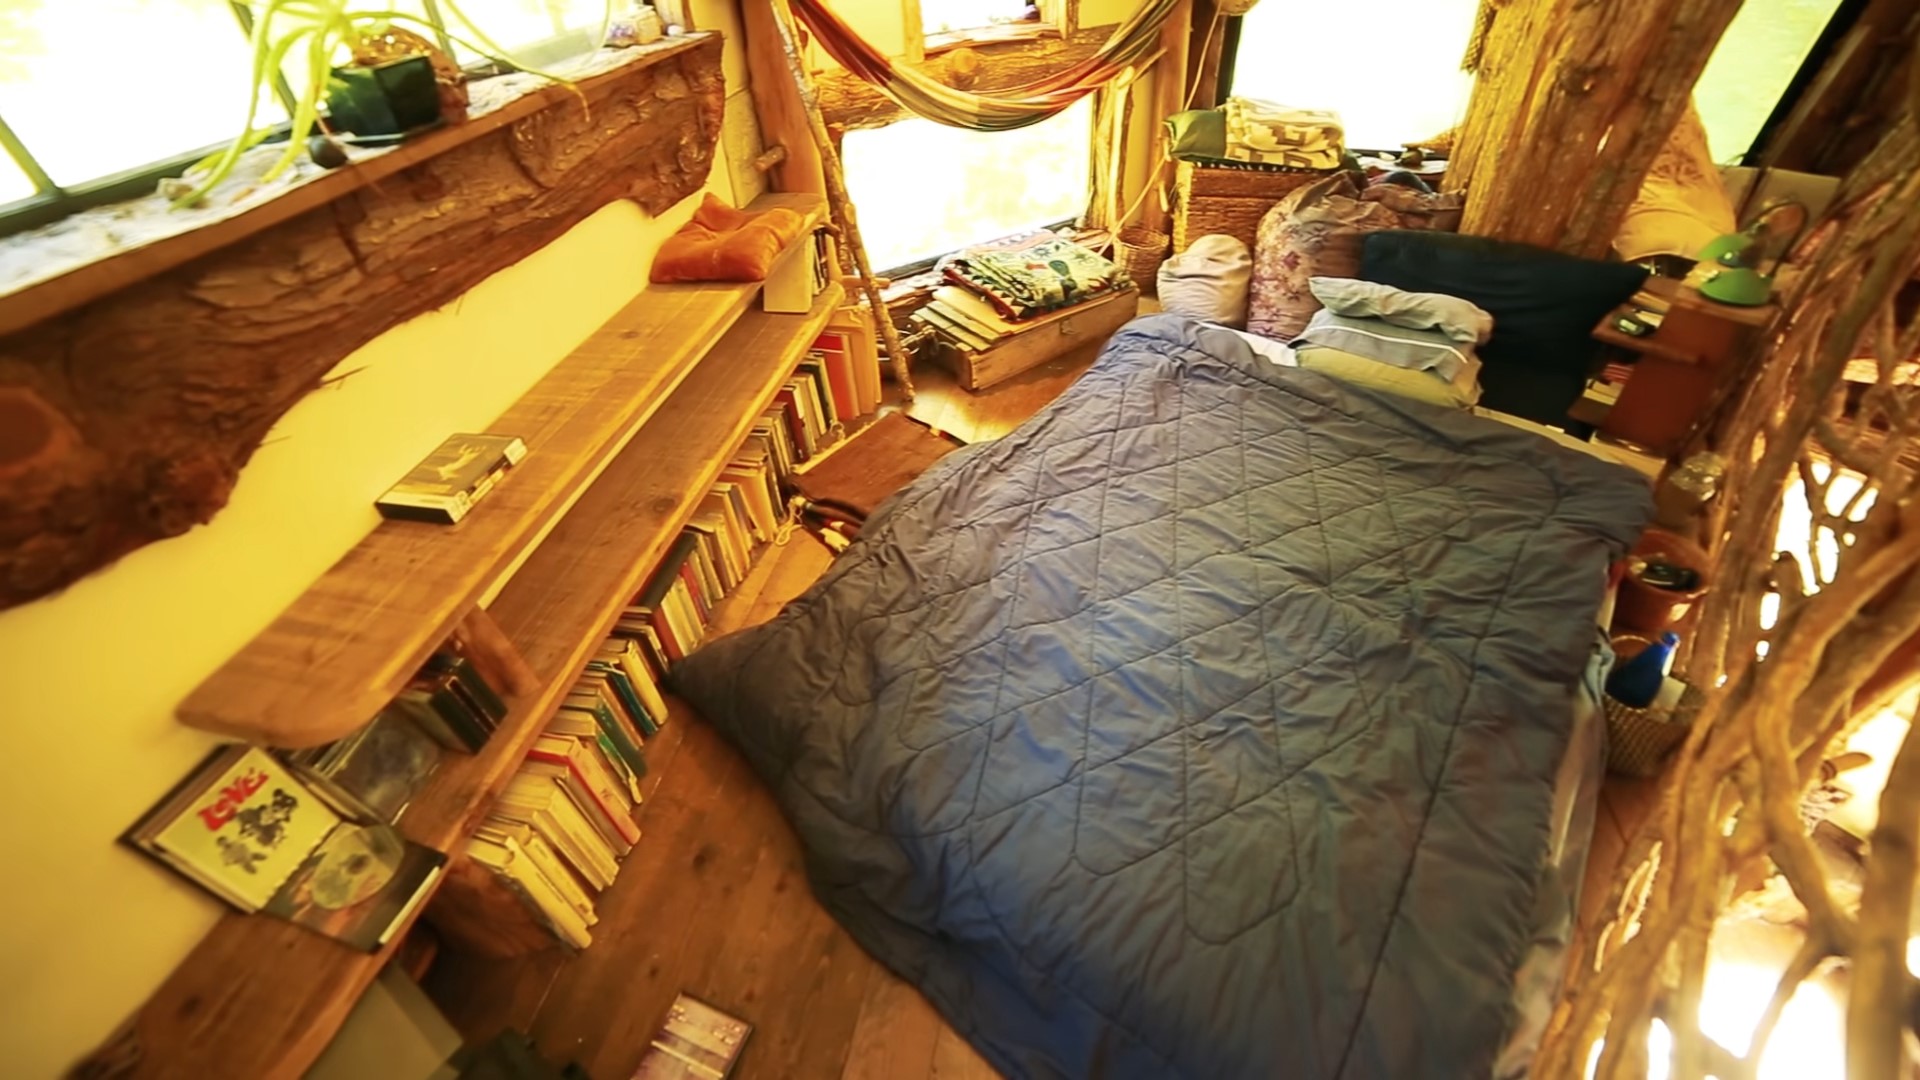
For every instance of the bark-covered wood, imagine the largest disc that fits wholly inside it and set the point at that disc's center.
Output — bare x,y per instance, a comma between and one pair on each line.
776,100
1731,803
1574,102
128,420
848,104
1857,93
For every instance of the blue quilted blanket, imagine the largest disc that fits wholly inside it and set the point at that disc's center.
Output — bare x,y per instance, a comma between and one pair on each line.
1202,727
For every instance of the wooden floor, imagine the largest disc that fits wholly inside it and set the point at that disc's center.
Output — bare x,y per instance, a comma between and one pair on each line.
714,900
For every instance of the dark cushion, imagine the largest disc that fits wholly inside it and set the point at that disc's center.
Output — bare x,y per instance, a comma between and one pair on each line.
1544,307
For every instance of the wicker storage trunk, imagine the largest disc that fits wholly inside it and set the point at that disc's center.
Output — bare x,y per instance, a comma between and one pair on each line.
1221,199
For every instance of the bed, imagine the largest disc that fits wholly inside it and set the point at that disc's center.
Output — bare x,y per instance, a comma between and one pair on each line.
1222,720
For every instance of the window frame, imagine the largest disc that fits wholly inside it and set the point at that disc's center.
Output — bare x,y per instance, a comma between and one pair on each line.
50,202
1057,18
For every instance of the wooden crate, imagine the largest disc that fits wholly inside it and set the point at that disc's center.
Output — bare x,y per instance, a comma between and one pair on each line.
1212,199
1048,337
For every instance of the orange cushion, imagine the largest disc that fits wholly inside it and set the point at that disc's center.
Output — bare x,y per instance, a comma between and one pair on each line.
724,244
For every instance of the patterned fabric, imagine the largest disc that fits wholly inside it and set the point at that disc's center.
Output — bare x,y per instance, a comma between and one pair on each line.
1032,275
1316,232
1132,43
1270,134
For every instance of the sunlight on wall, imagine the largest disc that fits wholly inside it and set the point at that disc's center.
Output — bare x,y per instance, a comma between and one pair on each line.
91,675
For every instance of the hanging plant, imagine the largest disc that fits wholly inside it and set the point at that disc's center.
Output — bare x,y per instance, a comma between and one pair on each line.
326,32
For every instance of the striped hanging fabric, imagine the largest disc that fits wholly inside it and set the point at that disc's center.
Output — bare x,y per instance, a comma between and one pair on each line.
999,110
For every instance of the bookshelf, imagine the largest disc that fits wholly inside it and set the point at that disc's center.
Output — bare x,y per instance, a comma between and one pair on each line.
351,641
627,434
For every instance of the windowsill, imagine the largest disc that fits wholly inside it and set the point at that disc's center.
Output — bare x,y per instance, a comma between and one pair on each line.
81,258
989,35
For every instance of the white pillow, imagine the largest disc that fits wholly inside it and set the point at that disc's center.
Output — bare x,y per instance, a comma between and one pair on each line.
1208,281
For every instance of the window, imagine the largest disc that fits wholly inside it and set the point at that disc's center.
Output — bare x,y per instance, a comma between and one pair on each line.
946,16
1397,82
100,98
101,87
1751,68
923,189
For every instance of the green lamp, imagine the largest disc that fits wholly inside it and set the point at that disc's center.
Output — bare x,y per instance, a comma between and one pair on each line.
1730,265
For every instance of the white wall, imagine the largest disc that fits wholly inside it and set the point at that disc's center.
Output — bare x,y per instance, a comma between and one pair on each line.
89,677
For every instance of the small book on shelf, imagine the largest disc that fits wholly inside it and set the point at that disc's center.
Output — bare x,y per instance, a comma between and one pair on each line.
374,773
458,474
243,827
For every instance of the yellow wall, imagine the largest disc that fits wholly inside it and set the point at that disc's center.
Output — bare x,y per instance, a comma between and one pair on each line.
88,678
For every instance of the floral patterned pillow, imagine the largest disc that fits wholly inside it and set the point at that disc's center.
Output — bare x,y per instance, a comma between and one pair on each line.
1316,232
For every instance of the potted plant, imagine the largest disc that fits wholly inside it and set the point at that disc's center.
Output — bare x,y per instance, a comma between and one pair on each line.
384,83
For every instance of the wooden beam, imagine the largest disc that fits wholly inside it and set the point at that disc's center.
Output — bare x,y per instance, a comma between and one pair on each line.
849,104
139,409
776,98
1559,146
1168,97
234,213
1858,92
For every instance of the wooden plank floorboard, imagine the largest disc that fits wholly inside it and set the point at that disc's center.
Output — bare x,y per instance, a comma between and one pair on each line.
897,1034
714,900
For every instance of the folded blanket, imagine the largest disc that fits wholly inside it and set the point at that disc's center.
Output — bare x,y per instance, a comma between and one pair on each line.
1264,132
1033,275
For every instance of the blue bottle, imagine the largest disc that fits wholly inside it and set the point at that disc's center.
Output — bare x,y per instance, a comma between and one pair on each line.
1637,682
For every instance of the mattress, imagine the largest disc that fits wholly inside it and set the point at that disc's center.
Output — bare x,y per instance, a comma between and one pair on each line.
1210,724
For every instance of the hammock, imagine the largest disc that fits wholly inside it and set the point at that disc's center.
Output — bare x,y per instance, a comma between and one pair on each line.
999,110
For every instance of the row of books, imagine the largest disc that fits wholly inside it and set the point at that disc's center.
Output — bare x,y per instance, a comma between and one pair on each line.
558,833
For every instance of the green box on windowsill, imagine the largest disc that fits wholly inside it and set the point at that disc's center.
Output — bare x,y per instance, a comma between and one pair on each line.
385,99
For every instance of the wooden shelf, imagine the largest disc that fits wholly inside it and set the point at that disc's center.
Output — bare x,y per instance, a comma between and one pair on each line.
327,664
196,232
261,997
572,589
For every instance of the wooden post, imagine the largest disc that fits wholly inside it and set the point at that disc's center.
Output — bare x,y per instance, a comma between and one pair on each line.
838,202
1556,149
776,98
1169,97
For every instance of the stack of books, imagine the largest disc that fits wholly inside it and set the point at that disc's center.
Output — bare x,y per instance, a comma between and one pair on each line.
557,834
246,829
670,616
837,382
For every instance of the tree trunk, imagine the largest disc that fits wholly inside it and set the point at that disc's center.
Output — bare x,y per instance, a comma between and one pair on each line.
1555,149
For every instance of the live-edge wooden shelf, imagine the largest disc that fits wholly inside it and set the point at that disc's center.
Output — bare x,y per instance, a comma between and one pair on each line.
261,997
351,641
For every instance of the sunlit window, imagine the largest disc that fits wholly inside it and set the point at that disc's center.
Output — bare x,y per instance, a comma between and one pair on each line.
93,89
1393,74
942,16
100,87
523,26
923,189
13,183
1762,50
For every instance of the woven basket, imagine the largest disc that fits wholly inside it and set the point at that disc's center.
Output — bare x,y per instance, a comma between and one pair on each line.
1639,740
1212,199
1140,251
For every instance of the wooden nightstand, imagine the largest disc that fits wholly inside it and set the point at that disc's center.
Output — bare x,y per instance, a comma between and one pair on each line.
1698,344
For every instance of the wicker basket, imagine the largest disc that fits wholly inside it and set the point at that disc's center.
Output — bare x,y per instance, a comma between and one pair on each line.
1140,251
1639,740
1212,199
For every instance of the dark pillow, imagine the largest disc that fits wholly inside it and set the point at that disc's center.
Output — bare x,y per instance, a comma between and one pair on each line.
1544,307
